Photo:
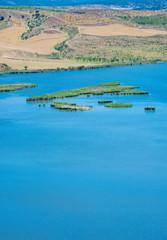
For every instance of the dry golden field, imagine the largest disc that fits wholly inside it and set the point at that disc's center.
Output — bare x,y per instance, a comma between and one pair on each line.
41,63
119,30
41,44
17,53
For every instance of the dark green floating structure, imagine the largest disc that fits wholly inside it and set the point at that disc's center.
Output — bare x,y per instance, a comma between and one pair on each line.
105,101
130,92
149,108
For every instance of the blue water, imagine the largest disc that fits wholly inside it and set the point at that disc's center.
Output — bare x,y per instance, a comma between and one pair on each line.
54,3
95,175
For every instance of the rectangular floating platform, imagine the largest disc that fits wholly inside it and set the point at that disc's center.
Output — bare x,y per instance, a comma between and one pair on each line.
105,101
149,108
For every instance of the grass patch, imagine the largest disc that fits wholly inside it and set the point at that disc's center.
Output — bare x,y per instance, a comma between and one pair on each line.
14,87
118,105
69,106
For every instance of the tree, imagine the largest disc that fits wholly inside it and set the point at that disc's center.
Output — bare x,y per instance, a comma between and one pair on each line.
2,18
25,68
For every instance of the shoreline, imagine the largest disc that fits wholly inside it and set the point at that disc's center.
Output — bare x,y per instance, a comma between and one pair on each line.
80,68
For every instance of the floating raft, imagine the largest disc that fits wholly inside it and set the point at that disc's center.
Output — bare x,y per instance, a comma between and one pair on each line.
149,108
131,92
105,101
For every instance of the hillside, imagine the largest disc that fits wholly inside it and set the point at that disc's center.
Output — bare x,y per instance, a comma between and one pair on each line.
36,38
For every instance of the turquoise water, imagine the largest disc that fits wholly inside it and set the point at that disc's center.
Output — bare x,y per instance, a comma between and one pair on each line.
95,175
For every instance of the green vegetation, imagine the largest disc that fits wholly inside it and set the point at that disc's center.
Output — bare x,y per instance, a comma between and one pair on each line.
156,21
14,87
29,34
36,20
80,68
101,89
131,92
97,59
63,47
110,83
1,18
4,67
114,49
105,101
31,8
69,106
54,55
118,105
33,23
149,108
146,18
3,24
70,30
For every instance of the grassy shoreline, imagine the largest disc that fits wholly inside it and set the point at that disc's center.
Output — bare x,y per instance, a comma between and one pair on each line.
80,68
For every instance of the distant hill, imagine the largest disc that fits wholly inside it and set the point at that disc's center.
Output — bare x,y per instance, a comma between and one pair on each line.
53,3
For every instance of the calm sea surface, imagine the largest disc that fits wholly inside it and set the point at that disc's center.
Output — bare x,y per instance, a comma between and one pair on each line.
95,175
